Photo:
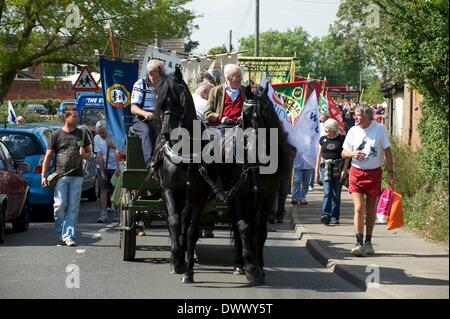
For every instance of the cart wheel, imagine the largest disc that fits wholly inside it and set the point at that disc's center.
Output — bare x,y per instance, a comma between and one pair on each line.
127,242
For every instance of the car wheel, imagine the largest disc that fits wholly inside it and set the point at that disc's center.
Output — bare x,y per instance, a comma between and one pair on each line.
2,224
21,223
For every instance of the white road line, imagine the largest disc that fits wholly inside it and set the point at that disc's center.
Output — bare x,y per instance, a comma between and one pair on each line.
81,251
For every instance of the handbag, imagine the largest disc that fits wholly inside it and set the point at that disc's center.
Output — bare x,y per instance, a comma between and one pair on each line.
396,213
52,179
384,205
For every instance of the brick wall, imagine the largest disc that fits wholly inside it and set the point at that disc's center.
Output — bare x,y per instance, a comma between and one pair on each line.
25,89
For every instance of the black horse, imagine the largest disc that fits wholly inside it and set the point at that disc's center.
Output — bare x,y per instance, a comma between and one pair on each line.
183,189
256,197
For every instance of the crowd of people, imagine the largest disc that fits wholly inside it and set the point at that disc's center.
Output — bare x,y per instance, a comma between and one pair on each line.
354,159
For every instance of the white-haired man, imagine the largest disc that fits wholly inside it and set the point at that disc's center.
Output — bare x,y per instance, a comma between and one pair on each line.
147,123
200,97
225,101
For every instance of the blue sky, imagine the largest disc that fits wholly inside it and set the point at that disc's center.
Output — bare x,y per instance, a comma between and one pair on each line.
219,17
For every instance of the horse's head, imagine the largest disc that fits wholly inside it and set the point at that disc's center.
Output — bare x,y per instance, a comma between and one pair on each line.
175,103
254,107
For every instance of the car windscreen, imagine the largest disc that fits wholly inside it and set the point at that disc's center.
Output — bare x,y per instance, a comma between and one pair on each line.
90,117
21,144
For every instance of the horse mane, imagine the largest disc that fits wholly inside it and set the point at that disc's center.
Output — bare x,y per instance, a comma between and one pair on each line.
172,82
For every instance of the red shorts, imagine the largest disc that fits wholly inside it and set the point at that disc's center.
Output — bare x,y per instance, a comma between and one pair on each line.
366,181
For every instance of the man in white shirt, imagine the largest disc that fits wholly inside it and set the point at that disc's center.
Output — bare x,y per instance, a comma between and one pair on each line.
108,166
367,143
200,97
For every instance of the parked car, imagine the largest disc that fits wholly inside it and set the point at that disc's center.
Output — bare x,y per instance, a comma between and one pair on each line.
37,108
13,193
89,187
66,105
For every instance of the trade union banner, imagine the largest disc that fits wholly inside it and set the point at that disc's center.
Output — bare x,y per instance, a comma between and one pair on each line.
278,70
117,84
293,95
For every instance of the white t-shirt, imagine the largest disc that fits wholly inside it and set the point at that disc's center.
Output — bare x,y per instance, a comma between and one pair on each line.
200,105
372,140
101,146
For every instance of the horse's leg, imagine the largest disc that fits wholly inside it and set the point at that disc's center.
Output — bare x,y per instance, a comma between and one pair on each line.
193,234
177,252
246,233
237,243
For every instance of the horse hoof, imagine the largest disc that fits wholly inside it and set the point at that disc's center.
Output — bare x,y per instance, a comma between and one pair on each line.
238,271
178,269
254,275
187,279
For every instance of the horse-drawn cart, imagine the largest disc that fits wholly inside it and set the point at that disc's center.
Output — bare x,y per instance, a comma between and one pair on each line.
140,199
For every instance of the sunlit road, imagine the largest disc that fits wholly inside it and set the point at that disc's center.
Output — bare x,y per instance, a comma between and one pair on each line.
32,265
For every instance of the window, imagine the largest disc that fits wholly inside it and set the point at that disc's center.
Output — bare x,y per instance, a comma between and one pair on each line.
7,162
90,117
21,145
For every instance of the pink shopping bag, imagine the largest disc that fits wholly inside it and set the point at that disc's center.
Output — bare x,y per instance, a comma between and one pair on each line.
384,205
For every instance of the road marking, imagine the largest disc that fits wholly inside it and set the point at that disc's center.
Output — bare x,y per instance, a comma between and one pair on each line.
81,251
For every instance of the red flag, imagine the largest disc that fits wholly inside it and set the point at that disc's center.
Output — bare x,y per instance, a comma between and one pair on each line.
336,114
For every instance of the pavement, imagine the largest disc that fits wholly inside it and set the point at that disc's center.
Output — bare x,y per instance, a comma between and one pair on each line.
404,265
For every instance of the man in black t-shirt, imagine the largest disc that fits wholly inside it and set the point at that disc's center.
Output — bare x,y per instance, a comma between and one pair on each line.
70,145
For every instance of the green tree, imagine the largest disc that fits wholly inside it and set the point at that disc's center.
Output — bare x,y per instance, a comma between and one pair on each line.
373,94
410,42
218,50
282,44
335,56
55,31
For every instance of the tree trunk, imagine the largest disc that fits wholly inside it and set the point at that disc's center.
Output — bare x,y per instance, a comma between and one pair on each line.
6,80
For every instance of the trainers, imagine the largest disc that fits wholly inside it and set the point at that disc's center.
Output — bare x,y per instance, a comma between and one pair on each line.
368,248
358,251
334,221
303,202
70,242
311,188
325,220
103,217
294,202
140,231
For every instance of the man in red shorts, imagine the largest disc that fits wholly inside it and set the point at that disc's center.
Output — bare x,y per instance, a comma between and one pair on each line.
367,143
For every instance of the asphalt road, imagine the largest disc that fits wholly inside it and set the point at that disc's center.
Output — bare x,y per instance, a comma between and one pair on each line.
32,265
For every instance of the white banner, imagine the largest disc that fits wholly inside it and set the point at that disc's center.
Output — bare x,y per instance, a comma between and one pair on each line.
170,61
11,113
278,105
305,133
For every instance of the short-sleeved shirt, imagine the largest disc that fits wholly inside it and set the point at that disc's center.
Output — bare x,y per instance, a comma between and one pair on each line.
372,140
331,147
138,95
66,146
100,145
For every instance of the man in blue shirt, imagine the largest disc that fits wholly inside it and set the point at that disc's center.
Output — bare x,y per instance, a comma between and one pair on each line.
146,123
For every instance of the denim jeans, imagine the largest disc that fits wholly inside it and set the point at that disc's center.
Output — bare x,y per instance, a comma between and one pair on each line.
67,197
331,205
301,183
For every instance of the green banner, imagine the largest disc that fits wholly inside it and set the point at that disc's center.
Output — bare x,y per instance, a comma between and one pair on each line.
278,70
293,95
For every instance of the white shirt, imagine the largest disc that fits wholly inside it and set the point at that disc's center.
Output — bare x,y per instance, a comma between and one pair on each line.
101,146
200,105
372,140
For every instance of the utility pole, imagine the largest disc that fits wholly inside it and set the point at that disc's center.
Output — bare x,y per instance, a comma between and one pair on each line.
257,29
231,46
